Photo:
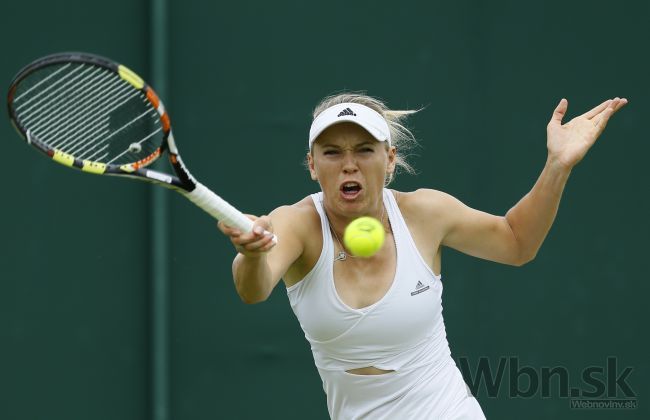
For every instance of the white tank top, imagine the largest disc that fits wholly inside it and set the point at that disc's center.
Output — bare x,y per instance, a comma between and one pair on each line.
403,332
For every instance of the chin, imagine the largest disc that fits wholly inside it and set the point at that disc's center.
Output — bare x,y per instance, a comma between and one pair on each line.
356,207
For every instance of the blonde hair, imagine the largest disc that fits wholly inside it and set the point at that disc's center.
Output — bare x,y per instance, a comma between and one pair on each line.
401,137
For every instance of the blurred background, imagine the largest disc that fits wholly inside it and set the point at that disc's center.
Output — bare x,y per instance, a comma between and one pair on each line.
87,332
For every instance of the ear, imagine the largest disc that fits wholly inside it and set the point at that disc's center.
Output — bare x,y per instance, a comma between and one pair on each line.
312,170
392,160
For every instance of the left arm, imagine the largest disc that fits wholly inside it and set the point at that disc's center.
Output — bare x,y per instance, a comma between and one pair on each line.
531,218
516,238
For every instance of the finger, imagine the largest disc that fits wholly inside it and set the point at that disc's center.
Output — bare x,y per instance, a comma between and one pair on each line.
559,112
262,249
268,246
227,230
607,113
263,225
250,216
615,104
257,245
605,116
230,230
259,230
611,106
264,222
596,110
247,237
621,104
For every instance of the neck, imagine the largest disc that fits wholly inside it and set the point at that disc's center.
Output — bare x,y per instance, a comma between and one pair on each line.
378,212
339,222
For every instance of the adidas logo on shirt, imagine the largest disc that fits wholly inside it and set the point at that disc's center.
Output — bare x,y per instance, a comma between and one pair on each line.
419,288
346,111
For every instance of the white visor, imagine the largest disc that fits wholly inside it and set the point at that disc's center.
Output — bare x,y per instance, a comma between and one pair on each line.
359,114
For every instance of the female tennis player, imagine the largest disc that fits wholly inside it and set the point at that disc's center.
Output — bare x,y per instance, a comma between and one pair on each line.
375,324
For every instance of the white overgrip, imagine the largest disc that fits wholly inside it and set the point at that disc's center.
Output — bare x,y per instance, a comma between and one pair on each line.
220,209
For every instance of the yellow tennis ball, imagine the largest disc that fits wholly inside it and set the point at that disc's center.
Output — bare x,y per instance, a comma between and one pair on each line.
364,236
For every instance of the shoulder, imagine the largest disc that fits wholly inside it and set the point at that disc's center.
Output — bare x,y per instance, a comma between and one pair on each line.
430,211
304,210
298,228
299,218
425,201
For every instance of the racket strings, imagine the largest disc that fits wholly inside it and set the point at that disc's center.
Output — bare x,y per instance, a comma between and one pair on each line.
89,112
69,116
73,100
138,142
41,82
53,101
57,82
65,109
79,107
87,126
87,148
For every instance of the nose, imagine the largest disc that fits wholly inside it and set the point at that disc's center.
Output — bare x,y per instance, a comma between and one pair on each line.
349,163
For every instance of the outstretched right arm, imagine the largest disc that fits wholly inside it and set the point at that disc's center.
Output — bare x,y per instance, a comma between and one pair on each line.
259,264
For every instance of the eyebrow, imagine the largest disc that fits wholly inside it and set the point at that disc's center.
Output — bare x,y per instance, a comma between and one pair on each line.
365,143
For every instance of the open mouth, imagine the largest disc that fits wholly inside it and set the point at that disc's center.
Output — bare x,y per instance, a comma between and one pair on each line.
350,190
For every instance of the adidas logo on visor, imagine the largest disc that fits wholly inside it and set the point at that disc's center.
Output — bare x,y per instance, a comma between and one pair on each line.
346,111
369,119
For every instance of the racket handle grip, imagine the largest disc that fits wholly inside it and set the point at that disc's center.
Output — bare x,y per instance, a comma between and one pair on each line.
220,209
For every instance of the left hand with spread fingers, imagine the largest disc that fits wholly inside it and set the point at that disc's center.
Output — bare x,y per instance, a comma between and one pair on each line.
568,143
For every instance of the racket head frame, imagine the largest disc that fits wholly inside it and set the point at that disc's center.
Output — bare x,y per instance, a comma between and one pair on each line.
183,179
183,182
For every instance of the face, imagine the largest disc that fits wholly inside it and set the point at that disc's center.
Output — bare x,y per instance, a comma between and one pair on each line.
351,167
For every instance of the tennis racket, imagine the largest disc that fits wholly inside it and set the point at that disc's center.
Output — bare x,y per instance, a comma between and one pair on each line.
90,113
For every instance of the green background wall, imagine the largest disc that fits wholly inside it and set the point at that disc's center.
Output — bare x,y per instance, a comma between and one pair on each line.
75,278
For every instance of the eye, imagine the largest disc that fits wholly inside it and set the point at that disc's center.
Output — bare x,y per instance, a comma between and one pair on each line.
367,149
330,152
